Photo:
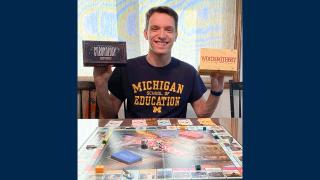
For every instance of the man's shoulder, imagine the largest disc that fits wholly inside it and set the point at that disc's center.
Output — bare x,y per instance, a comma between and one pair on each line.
135,60
182,64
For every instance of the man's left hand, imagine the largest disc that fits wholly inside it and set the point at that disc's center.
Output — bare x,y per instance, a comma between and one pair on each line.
217,82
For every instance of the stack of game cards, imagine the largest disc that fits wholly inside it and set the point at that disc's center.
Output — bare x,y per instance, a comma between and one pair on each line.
126,156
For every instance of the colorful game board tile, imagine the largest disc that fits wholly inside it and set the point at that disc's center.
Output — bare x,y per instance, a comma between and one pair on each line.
164,122
112,175
164,173
172,127
193,128
202,174
92,177
114,123
191,134
152,128
185,122
235,148
237,154
215,173
167,133
134,174
225,137
126,156
139,122
220,131
152,122
206,121
232,174
232,171
141,128
181,173
147,174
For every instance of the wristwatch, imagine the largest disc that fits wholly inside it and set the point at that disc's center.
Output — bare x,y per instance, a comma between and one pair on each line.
215,93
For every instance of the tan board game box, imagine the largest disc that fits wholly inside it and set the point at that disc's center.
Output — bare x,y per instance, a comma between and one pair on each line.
224,61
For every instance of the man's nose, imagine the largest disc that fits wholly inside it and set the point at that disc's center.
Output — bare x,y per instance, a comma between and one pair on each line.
162,34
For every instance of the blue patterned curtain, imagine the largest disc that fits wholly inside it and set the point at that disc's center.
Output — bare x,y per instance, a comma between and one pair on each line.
202,24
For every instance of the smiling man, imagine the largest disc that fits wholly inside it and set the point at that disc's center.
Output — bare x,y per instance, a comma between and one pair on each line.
156,85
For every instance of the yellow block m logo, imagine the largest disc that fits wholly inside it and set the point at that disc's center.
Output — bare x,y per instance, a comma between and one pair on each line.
156,109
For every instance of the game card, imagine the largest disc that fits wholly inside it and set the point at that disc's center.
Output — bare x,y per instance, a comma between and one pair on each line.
147,174
206,121
164,122
139,122
185,122
113,123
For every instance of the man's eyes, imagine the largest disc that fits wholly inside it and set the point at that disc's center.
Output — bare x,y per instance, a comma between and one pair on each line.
154,28
169,30
157,28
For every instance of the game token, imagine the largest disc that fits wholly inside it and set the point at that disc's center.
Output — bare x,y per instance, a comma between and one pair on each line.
127,174
104,141
144,143
88,147
230,140
204,128
198,167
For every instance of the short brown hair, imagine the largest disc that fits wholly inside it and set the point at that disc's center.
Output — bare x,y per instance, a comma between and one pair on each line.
162,9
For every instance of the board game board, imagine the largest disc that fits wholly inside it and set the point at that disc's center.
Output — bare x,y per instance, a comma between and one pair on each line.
160,149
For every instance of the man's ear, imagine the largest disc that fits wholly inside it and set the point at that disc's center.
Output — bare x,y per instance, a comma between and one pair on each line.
175,39
145,33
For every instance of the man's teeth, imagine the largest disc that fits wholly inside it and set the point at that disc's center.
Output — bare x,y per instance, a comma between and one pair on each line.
162,43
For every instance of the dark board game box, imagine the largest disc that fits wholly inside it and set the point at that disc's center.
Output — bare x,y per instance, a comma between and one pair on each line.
103,53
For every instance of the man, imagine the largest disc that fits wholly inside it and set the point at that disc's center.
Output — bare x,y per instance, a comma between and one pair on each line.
156,85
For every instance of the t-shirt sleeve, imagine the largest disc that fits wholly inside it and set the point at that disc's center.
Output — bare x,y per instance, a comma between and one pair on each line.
198,88
115,84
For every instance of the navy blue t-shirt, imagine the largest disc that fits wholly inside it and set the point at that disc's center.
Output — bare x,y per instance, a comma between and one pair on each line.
156,92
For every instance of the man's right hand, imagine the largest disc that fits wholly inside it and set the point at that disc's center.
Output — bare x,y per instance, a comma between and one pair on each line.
102,75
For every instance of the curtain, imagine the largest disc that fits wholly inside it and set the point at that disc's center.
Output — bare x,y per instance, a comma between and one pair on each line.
202,24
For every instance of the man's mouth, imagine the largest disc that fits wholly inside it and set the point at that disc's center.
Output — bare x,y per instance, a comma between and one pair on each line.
161,43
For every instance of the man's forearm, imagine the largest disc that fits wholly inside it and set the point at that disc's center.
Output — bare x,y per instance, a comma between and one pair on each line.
105,102
209,107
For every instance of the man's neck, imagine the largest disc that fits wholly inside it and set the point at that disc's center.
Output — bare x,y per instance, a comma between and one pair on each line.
158,60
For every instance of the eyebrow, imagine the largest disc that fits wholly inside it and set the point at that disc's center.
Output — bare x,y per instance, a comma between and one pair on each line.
166,27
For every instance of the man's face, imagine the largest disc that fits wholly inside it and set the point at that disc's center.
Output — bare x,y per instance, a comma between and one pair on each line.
161,33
